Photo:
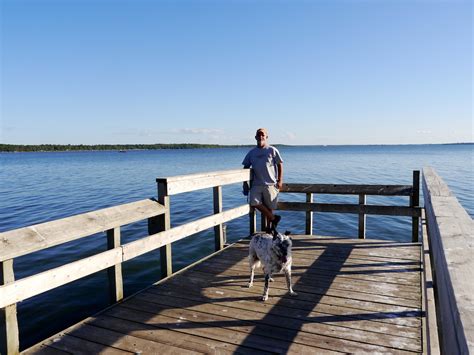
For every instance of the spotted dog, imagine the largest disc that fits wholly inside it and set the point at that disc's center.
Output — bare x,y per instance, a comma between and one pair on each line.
274,253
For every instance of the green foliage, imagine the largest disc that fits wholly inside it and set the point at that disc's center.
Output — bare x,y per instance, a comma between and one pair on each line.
119,147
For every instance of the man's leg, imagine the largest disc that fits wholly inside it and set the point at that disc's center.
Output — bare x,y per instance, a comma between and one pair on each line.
268,213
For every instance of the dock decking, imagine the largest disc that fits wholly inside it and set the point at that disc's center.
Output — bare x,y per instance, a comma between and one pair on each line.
354,295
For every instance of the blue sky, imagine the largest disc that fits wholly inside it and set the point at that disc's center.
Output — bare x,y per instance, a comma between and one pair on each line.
312,72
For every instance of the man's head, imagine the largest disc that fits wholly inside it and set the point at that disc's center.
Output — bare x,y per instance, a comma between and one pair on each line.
261,136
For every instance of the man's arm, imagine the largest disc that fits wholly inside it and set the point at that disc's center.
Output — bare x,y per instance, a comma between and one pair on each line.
280,176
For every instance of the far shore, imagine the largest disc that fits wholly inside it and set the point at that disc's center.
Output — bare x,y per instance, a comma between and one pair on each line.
17,148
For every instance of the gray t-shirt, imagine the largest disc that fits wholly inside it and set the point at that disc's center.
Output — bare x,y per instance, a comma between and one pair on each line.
264,164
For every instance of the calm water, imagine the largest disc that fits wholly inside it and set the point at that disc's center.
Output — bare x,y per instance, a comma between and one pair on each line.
40,187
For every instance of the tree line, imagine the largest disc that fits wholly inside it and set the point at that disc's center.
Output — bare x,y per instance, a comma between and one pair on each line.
119,147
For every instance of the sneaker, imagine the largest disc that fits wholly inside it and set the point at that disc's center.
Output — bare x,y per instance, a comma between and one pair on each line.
275,221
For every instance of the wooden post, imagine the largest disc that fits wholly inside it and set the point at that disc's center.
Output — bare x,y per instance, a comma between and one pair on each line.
309,215
114,272
362,217
253,220
415,202
263,222
164,223
218,230
9,339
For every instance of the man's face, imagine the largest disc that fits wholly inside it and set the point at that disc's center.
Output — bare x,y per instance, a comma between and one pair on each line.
261,138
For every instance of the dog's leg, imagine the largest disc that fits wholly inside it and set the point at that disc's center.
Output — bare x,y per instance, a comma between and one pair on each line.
288,281
253,261
265,290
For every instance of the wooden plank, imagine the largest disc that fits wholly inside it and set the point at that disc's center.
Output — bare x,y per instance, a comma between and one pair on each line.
34,285
114,272
26,240
350,208
450,231
277,338
309,215
415,202
202,325
79,346
373,286
192,182
44,350
144,245
9,337
164,224
116,340
349,189
270,325
159,329
297,306
336,316
253,221
362,217
218,230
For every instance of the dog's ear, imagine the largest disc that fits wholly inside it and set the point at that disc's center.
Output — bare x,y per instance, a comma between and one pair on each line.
287,232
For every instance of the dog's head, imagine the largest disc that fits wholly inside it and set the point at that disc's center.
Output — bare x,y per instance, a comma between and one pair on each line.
283,244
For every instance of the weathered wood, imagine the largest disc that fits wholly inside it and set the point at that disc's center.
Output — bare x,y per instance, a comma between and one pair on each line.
164,224
362,217
152,242
415,202
34,285
253,220
218,229
263,222
9,337
114,272
185,183
207,308
430,325
349,189
26,240
451,236
350,208
309,215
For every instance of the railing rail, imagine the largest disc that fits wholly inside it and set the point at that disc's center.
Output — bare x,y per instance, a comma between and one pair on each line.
451,243
362,208
161,235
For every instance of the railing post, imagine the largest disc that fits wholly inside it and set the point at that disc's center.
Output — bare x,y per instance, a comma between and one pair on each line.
415,202
263,222
164,223
114,272
218,230
309,215
362,217
253,220
9,339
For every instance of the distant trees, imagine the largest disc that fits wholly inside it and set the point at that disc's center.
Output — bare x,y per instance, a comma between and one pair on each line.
79,147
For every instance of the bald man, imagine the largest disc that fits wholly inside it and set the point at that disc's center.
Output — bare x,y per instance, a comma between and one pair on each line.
267,166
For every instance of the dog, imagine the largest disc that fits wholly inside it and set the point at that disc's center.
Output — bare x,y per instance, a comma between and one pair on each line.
273,251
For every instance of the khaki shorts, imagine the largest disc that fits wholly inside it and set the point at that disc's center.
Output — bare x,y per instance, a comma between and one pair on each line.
268,195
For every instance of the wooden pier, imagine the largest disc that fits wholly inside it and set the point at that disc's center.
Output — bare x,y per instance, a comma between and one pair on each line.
355,295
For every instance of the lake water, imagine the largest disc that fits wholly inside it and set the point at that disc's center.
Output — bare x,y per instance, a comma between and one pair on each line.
40,187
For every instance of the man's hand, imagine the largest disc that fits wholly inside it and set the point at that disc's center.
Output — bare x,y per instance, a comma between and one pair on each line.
279,184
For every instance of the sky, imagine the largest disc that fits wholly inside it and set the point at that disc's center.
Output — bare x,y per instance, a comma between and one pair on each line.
182,71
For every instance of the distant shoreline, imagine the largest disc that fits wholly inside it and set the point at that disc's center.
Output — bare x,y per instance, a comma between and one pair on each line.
23,148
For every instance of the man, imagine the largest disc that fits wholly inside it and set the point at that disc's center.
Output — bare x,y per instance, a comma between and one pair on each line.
267,166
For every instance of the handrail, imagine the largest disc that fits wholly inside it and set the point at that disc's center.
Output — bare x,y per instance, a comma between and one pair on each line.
451,241
34,238
350,189
362,208
28,287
